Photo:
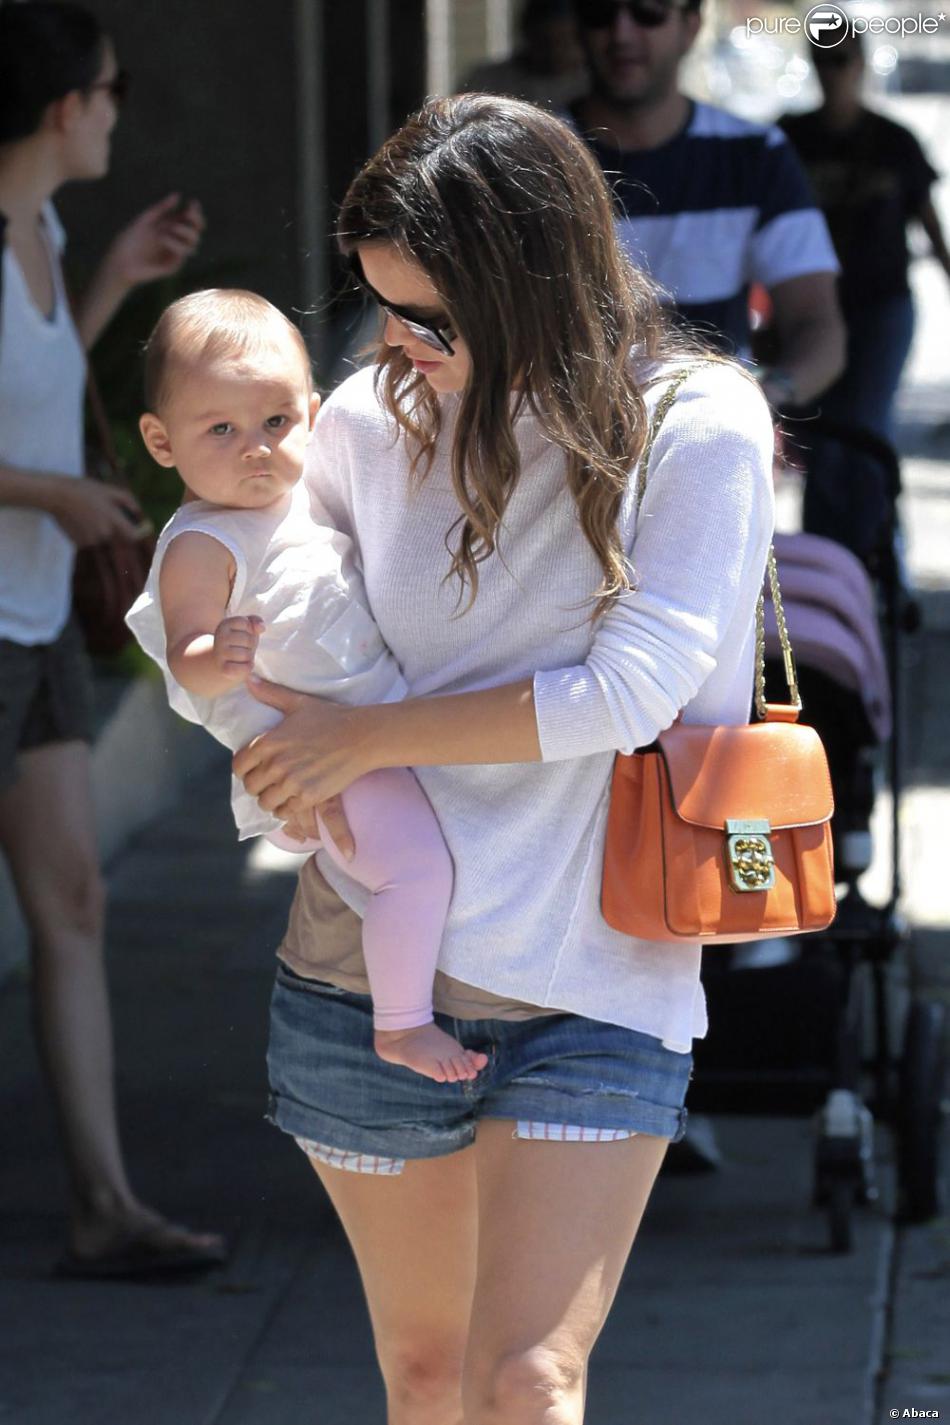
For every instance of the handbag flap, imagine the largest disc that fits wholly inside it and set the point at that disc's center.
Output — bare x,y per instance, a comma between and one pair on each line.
769,770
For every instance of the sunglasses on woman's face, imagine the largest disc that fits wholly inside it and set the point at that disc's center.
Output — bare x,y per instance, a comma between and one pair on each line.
117,87
436,332
600,14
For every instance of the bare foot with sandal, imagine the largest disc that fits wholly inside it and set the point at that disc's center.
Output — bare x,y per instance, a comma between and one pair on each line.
131,1242
428,1050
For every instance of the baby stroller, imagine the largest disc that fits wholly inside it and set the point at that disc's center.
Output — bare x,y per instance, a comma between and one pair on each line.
813,1032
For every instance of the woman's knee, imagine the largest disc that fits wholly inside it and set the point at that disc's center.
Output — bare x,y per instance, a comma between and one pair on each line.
70,904
539,1385
424,1382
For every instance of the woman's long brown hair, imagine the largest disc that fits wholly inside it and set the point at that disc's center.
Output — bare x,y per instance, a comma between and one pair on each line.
509,215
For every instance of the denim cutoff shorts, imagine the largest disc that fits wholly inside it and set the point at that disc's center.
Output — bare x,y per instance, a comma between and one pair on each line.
328,1085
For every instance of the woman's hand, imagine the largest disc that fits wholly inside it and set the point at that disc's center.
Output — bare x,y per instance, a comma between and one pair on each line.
309,758
156,243
320,748
90,511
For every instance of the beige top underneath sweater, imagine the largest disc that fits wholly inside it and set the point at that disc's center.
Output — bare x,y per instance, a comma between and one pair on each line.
323,942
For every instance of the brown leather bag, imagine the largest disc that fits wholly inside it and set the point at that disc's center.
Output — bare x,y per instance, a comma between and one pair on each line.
722,833
108,577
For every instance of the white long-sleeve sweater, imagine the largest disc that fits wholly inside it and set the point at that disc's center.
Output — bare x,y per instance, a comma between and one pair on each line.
527,839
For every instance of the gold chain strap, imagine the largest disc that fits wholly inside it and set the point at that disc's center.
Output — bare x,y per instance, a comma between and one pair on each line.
788,657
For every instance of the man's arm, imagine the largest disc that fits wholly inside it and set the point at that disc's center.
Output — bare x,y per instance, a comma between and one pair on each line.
793,256
927,217
810,337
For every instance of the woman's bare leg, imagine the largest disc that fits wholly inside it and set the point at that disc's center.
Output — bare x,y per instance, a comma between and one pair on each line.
556,1222
513,1270
47,834
413,1237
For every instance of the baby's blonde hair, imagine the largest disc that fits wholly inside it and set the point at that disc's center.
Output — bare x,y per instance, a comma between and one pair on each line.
219,321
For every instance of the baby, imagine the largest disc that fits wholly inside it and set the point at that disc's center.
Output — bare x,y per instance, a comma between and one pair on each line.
244,579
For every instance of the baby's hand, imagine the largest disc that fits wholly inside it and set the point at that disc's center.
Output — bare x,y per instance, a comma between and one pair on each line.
235,643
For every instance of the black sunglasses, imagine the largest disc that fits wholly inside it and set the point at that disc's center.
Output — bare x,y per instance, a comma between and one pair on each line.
599,14
117,87
833,59
437,333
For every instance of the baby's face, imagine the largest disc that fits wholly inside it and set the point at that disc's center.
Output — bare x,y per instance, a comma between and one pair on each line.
236,429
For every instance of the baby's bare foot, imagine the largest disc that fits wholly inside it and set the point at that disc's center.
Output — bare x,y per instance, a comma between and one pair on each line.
430,1051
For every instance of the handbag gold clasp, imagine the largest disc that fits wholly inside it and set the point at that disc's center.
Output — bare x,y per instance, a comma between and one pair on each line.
749,855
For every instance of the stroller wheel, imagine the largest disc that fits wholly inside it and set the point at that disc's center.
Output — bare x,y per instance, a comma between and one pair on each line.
920,1112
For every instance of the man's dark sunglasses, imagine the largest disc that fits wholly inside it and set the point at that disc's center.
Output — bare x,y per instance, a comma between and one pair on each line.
117,88
833,58
599,14
439,333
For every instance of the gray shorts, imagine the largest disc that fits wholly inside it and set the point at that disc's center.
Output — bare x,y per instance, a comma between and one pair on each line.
45,696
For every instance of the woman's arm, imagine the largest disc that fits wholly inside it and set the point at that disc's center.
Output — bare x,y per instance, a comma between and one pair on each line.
321,747
700,550
155,244
89,511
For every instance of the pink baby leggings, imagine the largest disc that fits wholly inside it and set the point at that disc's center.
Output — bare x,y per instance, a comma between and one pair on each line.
403,860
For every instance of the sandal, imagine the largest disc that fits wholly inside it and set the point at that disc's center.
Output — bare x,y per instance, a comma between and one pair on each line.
146,1257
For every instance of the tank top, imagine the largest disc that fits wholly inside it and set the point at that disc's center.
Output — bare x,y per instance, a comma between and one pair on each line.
42,381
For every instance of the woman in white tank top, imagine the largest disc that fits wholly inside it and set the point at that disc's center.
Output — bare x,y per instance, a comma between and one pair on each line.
60,86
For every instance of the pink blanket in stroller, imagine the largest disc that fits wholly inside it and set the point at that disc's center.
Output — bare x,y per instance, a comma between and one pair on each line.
832,620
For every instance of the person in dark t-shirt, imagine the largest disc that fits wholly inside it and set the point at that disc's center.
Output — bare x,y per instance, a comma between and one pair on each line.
871,179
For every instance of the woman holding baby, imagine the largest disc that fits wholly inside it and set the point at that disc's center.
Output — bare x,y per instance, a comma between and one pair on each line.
483,470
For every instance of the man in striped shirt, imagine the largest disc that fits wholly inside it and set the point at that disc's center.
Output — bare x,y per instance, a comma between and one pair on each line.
708,203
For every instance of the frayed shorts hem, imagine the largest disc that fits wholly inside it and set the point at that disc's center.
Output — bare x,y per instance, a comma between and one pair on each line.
328,1085
408,1142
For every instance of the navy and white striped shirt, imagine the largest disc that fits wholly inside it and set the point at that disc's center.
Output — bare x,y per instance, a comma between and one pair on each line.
722,204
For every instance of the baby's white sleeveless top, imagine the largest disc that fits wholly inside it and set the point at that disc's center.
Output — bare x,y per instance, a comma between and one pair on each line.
319,637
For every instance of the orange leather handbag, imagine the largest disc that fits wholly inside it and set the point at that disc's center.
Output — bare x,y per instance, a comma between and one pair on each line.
722,833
